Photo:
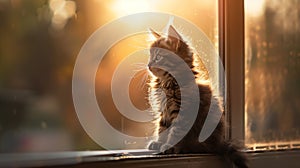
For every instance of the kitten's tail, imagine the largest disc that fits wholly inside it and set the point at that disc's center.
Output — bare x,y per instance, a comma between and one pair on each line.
233,152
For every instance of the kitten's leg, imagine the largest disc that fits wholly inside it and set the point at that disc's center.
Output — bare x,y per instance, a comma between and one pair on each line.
162,138
155,145
169,146
180,127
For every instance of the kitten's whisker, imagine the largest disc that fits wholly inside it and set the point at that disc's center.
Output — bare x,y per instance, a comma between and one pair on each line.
145,79
136,75
140,66
139,63
138,70
144,67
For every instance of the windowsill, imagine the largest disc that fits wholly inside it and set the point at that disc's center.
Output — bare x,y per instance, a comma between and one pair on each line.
143,158
120,158
275,159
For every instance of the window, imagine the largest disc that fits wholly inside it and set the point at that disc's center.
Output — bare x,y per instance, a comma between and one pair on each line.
40,41
272,66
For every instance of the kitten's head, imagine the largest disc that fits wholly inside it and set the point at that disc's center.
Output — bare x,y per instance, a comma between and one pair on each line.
167,52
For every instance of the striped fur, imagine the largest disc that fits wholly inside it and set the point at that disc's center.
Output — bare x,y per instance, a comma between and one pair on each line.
165,99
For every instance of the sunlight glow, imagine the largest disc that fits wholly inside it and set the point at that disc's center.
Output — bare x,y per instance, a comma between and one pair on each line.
124,7
62,10
254,7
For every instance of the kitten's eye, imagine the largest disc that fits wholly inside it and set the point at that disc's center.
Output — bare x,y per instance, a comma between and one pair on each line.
158,58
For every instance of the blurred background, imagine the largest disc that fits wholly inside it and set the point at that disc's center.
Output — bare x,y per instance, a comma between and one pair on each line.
272,68
39,43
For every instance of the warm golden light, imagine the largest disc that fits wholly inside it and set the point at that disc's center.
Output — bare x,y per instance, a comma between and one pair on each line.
123,7
62,10
254,7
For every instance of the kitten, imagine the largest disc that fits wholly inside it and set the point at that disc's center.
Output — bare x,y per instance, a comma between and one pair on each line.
165,100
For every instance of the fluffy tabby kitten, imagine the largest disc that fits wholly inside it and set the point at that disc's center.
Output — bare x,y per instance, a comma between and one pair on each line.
165,100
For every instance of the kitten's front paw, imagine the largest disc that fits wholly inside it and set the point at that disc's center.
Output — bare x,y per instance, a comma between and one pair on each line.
169,149
166,149
155,145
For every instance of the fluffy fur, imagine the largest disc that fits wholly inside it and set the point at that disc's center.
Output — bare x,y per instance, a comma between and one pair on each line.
165,100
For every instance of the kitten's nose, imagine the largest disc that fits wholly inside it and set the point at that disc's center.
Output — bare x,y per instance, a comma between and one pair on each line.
150,68
150,65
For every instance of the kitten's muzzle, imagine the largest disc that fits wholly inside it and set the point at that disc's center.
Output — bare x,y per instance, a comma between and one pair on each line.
153,68
150,66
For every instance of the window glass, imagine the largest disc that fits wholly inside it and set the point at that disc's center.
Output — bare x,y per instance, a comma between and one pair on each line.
39,44
272,67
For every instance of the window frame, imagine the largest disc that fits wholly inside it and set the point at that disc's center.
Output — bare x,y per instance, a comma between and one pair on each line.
232,46
232,35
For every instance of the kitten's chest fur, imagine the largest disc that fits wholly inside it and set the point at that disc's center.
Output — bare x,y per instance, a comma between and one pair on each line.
170,103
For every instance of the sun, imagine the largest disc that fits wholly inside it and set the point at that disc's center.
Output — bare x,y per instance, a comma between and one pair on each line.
125,7
254,7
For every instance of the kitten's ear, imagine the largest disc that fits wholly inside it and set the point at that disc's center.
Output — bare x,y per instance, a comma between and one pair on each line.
154,33
174,36
172,33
